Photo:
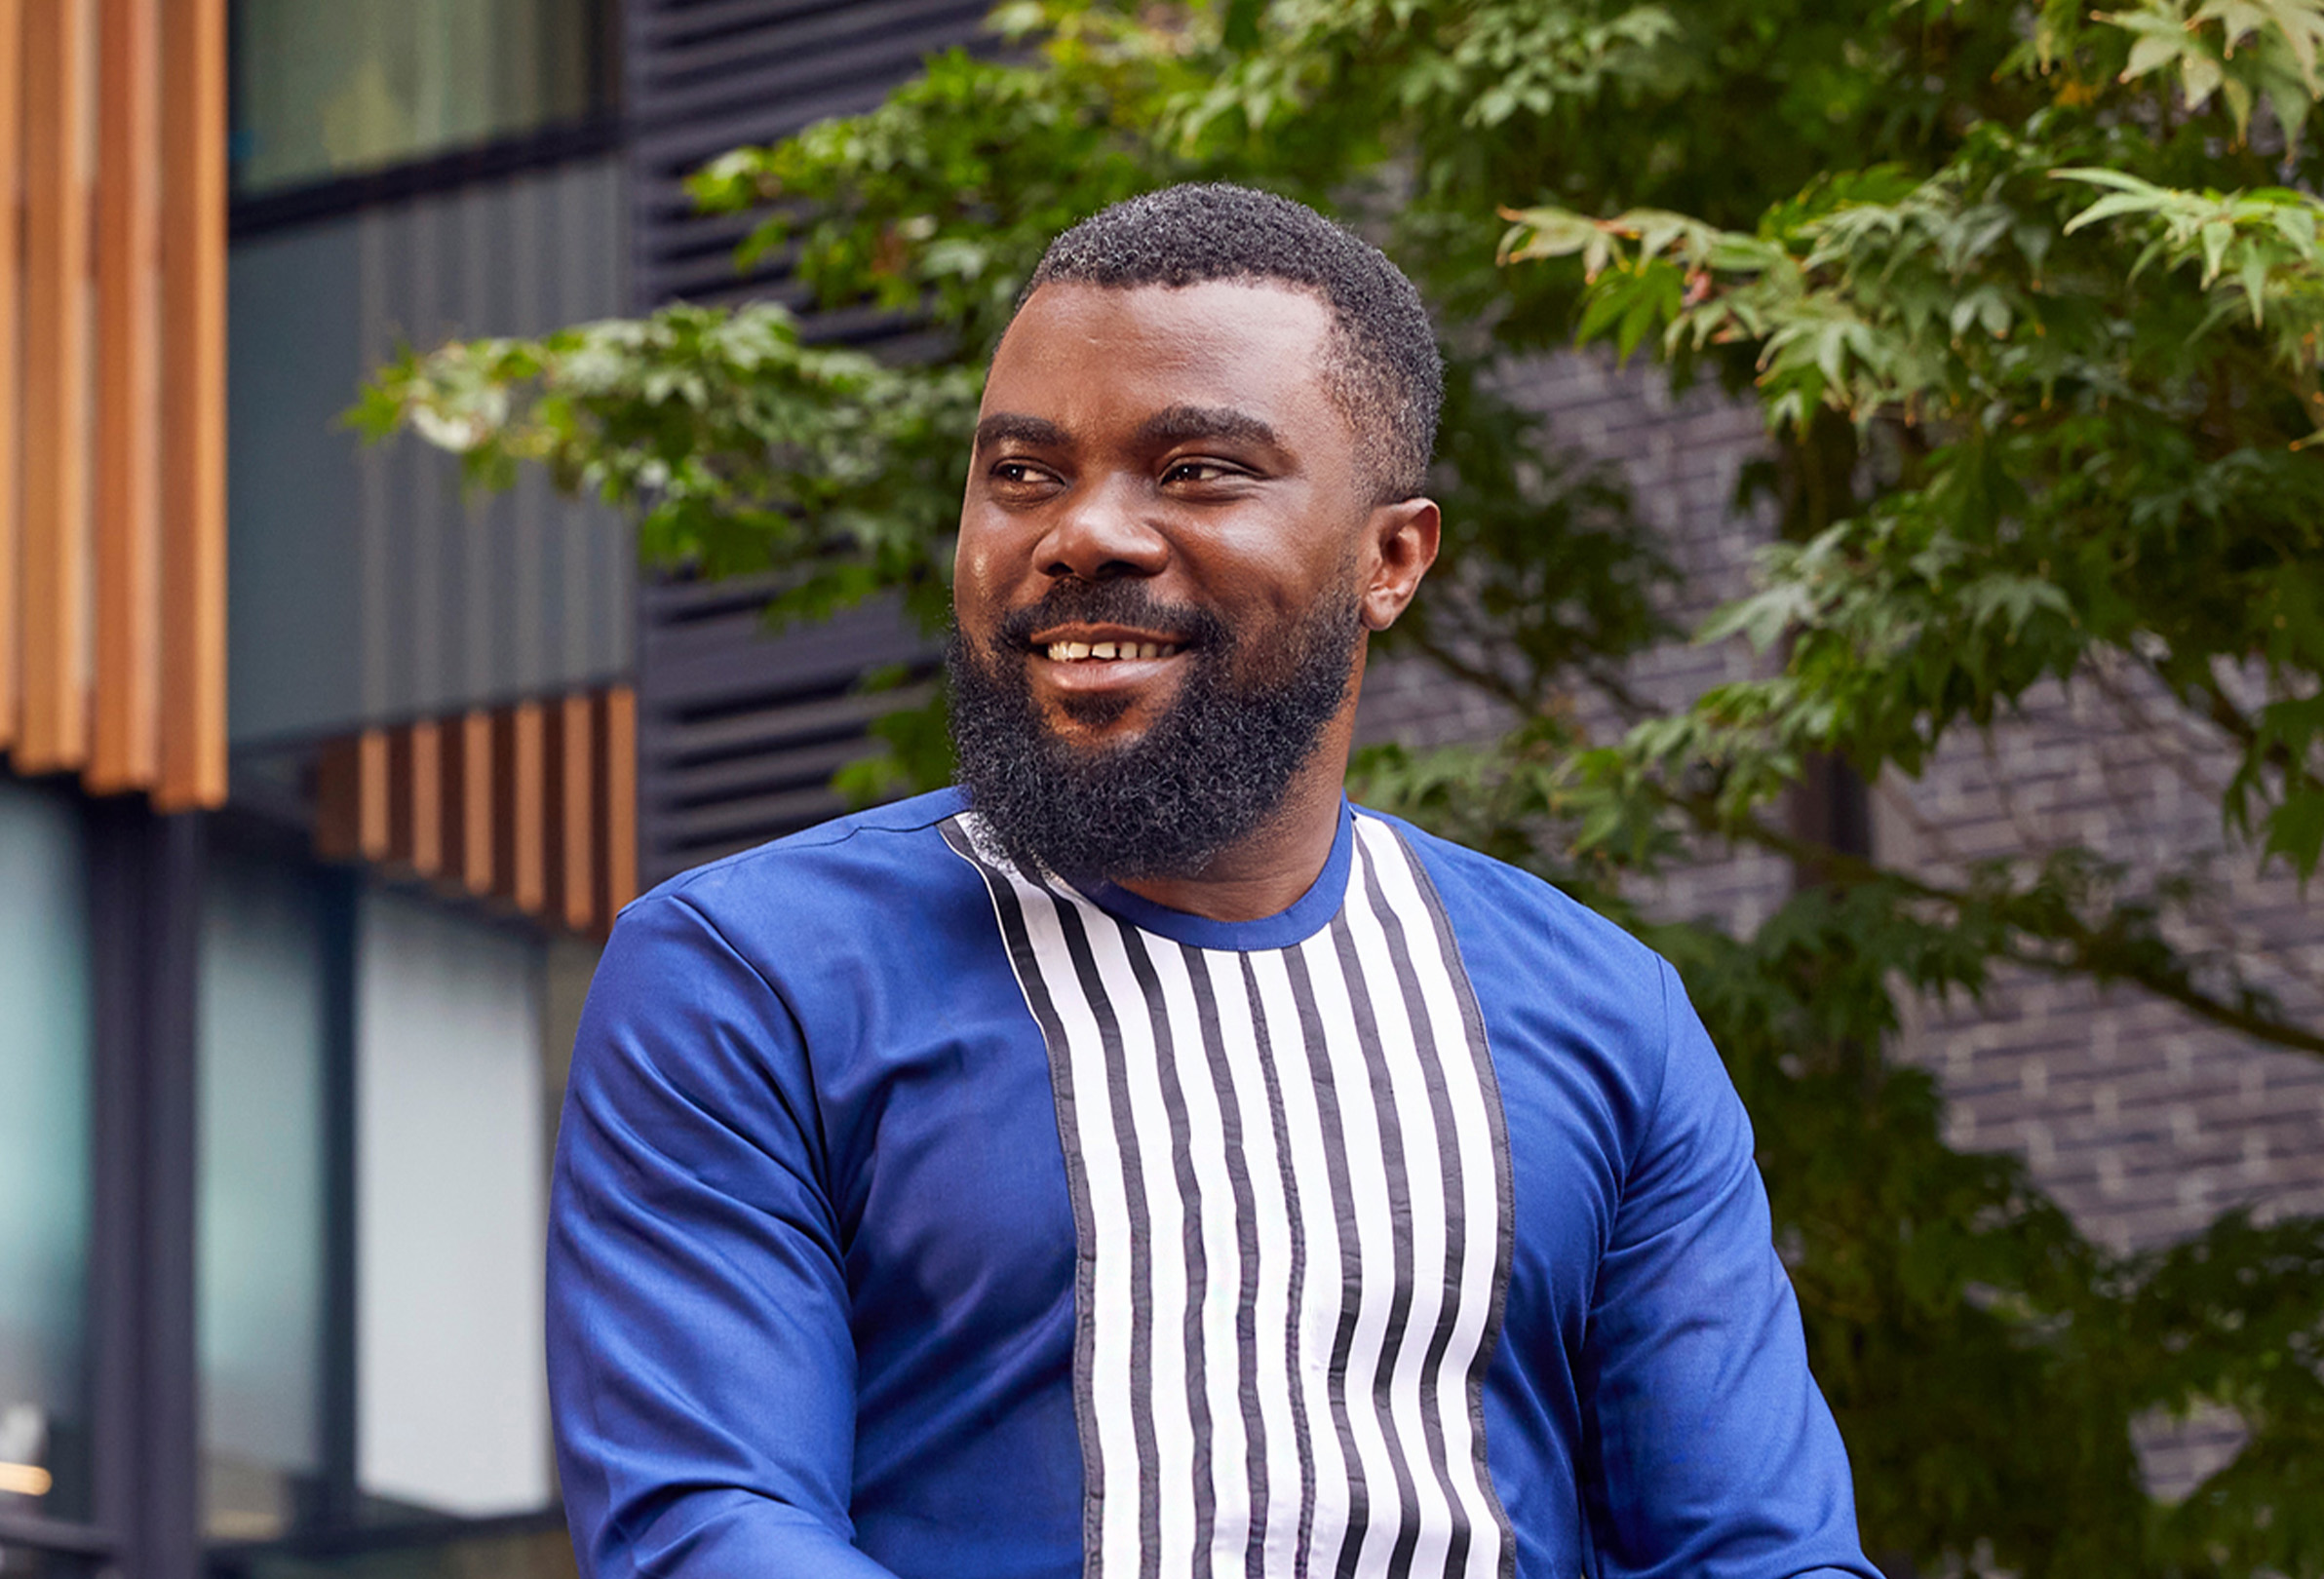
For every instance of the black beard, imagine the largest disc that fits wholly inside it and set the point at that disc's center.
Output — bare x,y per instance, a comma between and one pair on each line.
1209,772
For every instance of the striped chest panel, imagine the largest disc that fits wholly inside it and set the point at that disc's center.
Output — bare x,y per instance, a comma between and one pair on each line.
1291,1186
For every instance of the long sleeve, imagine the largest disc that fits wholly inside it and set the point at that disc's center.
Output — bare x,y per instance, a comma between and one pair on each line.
1714,1456
700,1357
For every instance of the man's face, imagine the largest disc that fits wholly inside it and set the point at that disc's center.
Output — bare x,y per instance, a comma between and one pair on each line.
1162,572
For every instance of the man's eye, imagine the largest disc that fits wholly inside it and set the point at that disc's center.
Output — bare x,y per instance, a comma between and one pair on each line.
1016,472
1199,471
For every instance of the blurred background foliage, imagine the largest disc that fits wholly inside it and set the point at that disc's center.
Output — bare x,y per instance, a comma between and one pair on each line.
2031,297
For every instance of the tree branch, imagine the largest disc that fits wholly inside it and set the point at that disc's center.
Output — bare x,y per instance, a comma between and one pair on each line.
2081,942
1604,677
1470,671
2221,708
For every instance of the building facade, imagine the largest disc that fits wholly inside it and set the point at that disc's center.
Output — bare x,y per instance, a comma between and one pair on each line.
322,777
320,784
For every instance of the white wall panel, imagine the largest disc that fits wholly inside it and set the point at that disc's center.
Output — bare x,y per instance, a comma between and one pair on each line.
452,1195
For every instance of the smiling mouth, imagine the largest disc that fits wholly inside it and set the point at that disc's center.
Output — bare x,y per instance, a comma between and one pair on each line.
1083,652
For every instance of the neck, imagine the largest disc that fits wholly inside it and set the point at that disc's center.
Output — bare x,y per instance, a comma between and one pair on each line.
1266,872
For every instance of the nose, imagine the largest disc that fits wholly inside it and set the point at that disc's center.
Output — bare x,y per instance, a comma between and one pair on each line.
1100,535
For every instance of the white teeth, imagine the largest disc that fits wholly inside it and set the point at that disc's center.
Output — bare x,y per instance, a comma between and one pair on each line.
1069,653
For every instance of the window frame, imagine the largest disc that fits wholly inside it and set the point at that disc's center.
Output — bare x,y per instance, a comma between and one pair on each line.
597,131
144,876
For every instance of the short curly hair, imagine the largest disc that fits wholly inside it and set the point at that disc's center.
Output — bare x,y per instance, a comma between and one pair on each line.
1381,366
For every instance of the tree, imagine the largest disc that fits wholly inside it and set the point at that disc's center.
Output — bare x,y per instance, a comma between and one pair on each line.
2031,298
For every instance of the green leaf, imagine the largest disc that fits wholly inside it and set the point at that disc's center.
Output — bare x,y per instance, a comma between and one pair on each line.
2253,277
2202,75
2238,96
2296,831
2218,235
1240,33
2151,52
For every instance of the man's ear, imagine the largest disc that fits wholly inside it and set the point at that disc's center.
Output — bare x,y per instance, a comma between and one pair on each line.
1404,536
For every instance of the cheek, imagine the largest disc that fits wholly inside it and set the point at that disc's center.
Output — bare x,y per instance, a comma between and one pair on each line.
978,567
970,565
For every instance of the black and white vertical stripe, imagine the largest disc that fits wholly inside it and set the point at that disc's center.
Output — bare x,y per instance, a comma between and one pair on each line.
1290,1182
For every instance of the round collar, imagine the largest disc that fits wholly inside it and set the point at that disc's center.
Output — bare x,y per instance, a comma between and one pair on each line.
1308,915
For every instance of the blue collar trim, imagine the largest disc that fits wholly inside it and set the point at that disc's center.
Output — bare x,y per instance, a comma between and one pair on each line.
1308,915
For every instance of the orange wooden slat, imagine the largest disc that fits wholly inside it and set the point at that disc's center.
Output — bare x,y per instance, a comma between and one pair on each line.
618,804
55,555
398,796
419,798
193,65
372,780
552,903
12,127
338,800
124,752
474,789
576,812
519,810
451,773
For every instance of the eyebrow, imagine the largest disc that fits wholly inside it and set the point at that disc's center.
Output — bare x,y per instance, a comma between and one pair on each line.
1177,424
1174,424
1005,427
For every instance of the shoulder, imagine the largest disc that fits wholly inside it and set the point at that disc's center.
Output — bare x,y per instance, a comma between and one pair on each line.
1581,1016
872,887
829,871
1503,917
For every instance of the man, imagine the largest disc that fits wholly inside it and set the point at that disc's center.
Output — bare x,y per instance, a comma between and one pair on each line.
1142,1164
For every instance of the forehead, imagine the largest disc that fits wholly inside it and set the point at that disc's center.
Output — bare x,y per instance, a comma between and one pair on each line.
1087,356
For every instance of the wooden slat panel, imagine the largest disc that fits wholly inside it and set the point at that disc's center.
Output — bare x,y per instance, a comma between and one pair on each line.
618,802
451,777
519,810
575,887
553,814
56,558
12,127
352,779
193,756
399,796
475,851
373,760
125,751
338,800
534,805
419,798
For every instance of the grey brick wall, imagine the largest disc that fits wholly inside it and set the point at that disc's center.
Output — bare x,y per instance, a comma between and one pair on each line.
1683,458
2143,1121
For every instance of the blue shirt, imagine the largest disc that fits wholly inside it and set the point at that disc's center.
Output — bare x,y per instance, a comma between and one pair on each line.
919,1215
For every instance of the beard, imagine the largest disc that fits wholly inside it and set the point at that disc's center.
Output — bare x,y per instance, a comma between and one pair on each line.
1212,770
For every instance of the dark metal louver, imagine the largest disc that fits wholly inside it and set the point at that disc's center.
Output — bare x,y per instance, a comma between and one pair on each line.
707,75
739,732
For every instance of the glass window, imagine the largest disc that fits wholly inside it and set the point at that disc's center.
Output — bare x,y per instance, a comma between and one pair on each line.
263,1195
454,1416
45,1036
27,1562
502,1553
326,89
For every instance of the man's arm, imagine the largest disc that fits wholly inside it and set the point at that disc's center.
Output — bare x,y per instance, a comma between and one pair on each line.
1715,1455
699,1352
